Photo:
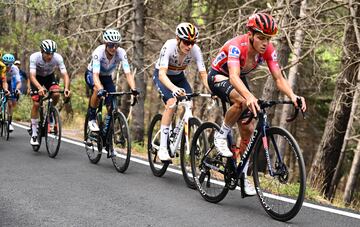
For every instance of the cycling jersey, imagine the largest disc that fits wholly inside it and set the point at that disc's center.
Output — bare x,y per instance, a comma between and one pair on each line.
2,70
101,64
13,77
234,53
42,68
169,58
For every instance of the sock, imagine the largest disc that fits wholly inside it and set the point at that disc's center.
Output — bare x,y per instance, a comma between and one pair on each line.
92,113
34,125
223,132
164,135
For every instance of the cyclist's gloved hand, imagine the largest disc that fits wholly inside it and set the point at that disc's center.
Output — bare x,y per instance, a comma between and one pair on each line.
135,92
178,92
101,93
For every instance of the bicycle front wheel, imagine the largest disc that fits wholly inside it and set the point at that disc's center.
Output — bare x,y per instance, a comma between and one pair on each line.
121,143
93,142
158,168
208,167
185,159
53,132
6,125
279,176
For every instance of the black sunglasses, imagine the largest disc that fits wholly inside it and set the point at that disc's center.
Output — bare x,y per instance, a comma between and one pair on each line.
188,43
112,45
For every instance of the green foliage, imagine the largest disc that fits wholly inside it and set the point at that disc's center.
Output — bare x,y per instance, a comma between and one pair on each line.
23,109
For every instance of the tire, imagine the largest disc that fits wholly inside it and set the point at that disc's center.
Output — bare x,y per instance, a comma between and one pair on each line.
289,181
93,142
121,142
210,182
158,168
53,135
6,125
185,158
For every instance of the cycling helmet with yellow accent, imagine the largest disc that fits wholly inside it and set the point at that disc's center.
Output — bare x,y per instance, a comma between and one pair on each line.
263,23
187,31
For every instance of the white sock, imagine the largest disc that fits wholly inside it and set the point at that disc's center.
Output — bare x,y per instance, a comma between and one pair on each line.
164,129
34,124
223,132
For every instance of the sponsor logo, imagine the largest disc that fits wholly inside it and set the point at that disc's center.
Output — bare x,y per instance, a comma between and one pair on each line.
234,52
274,55
221,56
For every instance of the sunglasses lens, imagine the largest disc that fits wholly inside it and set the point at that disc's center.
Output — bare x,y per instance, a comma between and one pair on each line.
188,43
112,45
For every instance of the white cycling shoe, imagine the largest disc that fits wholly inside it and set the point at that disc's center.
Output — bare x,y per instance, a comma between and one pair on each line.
163,154
222,147
34,141
11,128
249,188
93,126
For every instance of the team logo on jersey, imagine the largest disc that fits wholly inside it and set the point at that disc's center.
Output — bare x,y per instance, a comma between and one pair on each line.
219,58
274,55
234,52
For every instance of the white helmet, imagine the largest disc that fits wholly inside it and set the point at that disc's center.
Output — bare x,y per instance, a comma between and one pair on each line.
187,31
112,36
48,46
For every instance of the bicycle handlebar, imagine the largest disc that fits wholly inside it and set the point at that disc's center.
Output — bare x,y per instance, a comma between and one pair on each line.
266,104
121,93
188,97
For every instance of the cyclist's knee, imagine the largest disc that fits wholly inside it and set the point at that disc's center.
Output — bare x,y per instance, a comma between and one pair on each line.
170,103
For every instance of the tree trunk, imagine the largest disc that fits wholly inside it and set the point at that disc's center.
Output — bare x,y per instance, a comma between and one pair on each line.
270,91
337,174
287,109
138,63
327,156
354,173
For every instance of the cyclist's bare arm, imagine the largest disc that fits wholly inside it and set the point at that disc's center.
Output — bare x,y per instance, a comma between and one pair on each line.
34,81
203,76
5,84
165,80
130,79
66,84
251,101
285,88
97,82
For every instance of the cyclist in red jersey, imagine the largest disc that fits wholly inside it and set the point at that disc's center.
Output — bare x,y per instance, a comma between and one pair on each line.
227,80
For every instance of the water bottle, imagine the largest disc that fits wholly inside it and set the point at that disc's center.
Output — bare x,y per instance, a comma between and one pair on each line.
107,123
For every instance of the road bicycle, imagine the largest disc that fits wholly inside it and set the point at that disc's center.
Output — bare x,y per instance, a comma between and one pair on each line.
49,125
114,134
180,134
277,165
4,116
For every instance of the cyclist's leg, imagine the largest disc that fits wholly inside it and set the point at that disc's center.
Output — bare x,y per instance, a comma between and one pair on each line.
52,84
93,102
221,86
35,112
109,86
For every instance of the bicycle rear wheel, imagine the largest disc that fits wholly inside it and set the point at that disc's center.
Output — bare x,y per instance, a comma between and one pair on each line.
158,168
53,132
93,142
185,159
121,142
282,193
208,167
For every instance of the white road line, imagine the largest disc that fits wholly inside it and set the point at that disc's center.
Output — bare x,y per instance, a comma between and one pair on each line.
305,204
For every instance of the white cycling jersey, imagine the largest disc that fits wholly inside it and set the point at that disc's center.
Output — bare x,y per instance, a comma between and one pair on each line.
101,64
13,76
42,68
169,58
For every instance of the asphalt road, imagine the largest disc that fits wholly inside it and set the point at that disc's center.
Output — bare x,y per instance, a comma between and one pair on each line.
36,190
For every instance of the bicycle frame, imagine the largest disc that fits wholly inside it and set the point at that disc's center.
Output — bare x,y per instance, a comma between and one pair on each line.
181,125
